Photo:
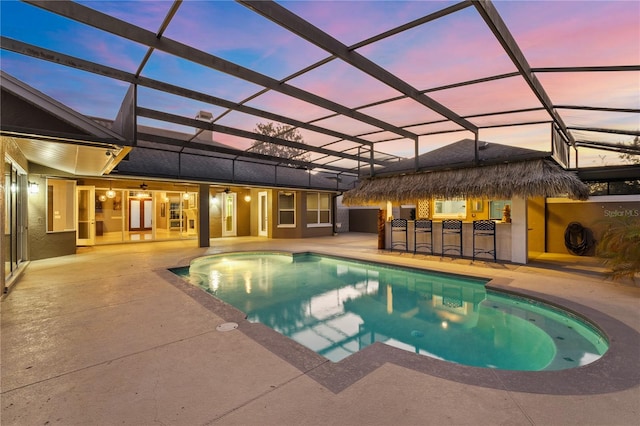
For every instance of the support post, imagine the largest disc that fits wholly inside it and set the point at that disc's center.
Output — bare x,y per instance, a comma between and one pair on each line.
519,231
203,215
382,218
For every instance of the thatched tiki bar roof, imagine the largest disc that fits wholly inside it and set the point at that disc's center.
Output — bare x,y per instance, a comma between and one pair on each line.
498,179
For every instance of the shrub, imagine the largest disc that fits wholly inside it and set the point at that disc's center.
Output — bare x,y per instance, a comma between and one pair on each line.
620,247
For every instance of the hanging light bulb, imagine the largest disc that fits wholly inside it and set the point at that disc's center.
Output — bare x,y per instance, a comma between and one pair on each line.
111,193
185,195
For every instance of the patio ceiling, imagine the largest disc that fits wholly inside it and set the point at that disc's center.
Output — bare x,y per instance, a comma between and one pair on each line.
365,83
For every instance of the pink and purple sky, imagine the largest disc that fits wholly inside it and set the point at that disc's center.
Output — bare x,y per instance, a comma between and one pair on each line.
456,48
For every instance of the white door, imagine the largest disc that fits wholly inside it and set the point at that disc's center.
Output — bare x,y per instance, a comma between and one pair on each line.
229,214
86,228
263,220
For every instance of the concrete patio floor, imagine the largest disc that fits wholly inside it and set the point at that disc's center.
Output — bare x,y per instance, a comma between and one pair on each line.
108,336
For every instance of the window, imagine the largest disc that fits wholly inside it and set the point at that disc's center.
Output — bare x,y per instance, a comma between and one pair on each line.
61,205
286,209
318,209
453,208
496,208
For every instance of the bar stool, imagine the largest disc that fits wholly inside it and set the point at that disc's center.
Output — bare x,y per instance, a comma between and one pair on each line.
399,226
452,227
423,226
483,229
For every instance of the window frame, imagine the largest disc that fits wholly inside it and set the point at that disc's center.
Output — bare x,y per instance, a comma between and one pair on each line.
500,204
449,215
286,210
318,210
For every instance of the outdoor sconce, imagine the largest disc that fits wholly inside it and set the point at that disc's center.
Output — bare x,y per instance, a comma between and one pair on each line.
247,198
34,188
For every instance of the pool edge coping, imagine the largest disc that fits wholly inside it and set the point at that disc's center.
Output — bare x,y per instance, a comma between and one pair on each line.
614,371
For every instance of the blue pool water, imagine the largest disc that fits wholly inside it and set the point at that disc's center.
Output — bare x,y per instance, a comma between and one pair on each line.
337,307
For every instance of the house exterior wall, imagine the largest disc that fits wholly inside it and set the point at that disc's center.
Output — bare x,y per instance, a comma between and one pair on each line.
301,229
243,224
43,244
536,225
363,220
592,214
282,231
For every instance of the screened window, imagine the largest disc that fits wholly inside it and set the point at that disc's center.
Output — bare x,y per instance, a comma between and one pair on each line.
452,208
286,209
61,215
318,209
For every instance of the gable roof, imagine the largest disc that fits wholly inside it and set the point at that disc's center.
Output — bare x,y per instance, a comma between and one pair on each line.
461,154
54,135
33,101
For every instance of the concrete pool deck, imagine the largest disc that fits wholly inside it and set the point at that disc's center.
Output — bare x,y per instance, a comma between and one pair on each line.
107,337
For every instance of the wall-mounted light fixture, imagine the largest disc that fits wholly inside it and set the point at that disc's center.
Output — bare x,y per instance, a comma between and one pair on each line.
247,198
34,188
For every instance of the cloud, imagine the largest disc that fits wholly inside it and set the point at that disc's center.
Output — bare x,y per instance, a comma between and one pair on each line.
575,33
279,103
344,84
233,32
491,96
455,48
598,89
146,14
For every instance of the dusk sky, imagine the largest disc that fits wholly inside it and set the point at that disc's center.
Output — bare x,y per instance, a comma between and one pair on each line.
455,48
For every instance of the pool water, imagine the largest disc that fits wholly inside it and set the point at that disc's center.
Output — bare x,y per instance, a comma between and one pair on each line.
337,307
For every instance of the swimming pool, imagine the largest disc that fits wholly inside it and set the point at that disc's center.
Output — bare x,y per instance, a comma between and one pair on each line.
337,306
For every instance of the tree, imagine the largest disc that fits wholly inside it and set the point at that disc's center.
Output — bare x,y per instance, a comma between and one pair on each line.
280,131
632,158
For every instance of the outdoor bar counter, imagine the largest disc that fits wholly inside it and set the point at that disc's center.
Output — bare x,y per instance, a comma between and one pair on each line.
503,240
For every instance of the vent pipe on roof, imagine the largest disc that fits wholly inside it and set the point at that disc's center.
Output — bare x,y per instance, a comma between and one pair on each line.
204,135
204,116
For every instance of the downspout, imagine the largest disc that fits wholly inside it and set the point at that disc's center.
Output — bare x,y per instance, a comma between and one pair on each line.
334,207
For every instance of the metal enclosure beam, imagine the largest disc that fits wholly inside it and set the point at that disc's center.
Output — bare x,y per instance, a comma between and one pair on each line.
304,29
104,22
81,64
177,119
236,153
494,21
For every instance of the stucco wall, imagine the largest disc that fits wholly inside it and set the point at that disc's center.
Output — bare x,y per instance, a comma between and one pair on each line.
592,214
536,225
43,245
